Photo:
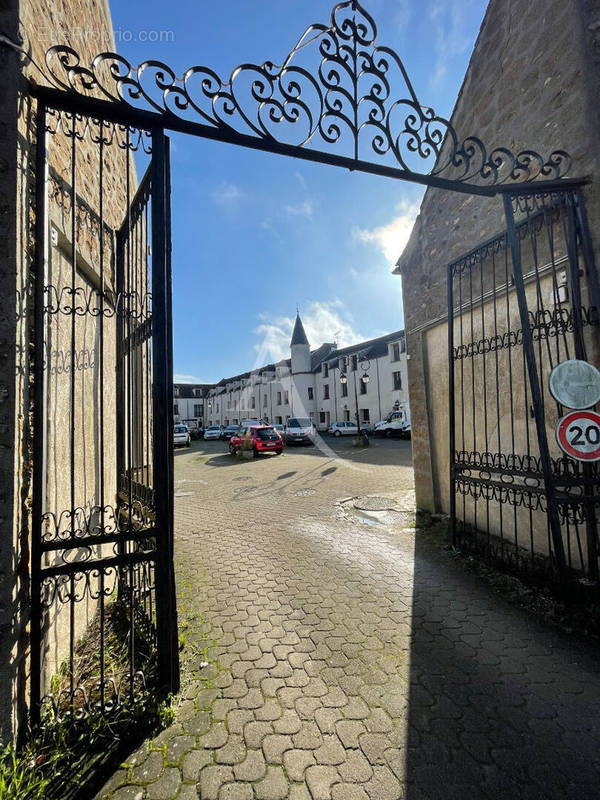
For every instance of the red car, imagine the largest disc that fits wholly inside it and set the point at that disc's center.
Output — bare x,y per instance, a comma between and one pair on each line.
258,438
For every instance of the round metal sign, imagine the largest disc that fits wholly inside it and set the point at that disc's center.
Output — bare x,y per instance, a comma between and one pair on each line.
575,384
578,435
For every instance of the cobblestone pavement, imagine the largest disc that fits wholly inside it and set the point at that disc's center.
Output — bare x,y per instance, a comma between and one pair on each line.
345,659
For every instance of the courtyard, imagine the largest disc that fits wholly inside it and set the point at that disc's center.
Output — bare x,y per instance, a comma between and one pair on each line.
329,651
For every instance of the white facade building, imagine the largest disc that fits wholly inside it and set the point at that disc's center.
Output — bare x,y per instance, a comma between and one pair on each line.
307,385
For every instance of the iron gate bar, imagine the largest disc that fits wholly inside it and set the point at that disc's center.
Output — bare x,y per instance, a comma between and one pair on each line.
39,460
163,416
536,395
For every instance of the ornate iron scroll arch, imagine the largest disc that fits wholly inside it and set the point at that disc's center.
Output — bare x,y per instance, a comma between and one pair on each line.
344,101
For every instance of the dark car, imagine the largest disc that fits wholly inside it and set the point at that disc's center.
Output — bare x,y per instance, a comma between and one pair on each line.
258,438
230,431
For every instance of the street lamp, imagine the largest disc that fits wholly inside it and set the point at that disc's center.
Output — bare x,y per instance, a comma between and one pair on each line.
365,365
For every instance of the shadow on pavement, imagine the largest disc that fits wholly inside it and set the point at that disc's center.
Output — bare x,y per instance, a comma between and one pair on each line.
500,706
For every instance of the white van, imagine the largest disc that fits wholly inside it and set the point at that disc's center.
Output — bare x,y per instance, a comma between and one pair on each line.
299,430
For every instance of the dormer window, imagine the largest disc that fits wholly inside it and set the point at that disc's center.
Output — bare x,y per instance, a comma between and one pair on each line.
325,369
176,391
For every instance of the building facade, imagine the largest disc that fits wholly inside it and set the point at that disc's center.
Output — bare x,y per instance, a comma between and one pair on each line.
307,385
520,91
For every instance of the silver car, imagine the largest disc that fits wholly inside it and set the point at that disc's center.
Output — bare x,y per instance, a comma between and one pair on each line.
213,432
181,436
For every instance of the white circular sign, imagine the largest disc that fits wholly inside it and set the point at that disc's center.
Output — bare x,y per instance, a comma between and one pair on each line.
575,384
578,434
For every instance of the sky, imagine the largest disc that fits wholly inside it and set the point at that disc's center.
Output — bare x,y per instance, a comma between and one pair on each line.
257,235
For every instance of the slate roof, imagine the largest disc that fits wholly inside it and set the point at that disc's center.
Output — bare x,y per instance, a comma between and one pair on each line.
372,348
188,389
299,335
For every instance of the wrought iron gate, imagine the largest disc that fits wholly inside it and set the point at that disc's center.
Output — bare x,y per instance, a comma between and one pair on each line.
518,305
103,619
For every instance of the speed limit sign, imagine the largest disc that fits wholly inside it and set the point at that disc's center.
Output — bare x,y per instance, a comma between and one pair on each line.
578,434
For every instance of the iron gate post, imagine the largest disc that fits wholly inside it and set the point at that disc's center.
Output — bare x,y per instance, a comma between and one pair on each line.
451,405
162,357
536,395
39,405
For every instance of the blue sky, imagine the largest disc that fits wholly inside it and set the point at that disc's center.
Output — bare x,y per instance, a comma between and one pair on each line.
255,234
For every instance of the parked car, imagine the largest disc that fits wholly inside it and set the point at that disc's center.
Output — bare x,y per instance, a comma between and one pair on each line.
343,429
396,423
258,438
280,429
229,431
181,436
299,430
245,423
213,432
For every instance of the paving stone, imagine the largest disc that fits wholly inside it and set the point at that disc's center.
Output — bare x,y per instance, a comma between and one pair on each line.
331,751
194,762
289,722
222,707
326,719
356,708
233,752
296,762
319,780
178,747
306,707
253,699
255,732
308,737
378,721
299,792
129,793
211,780
237,719
216,737
273,786
348,791
198,724
349,730
165,788
356,768
187,792
269,711
274,745
253,768
150,769
236,791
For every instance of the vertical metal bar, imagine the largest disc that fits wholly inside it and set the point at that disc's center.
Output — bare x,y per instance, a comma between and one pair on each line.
162,395
591,531
451,405
536,397
39,414
588,254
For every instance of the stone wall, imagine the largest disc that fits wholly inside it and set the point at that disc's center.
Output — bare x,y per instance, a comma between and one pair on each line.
36,25
532,82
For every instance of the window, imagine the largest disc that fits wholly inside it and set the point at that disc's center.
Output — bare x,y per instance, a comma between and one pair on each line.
243,402
253,402
365,414
176,391
197,410
344,390
279,420
325,369
363,387
197,392
354,363
322,417
396,352
286,398
397,380
175,409
326,391
217,408
310,393
347,415
278,398
265,400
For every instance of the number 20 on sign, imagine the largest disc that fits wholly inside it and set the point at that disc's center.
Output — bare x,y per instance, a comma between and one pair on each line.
578,434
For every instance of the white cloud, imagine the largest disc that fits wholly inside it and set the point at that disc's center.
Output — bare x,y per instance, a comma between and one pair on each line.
323,322
448,25
227,194
304,209
301,180
391,239
179,378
